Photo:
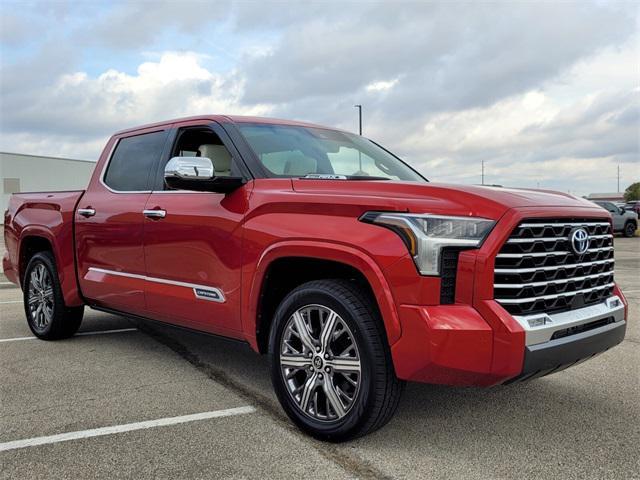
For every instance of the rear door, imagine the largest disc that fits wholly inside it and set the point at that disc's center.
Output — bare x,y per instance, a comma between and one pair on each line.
109,224
193,246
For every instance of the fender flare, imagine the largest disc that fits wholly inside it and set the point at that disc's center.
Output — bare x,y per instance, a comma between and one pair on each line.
32,231
330,251
66,273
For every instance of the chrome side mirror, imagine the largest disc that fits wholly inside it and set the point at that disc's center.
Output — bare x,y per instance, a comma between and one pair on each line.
191,168
197,174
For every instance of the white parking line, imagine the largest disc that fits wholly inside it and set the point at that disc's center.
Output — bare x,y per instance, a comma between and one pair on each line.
12,301
97,332
128,427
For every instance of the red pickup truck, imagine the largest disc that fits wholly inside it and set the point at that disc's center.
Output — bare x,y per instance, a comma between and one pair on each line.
325,251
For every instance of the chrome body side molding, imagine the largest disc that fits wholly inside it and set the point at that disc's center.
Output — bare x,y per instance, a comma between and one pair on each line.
201,292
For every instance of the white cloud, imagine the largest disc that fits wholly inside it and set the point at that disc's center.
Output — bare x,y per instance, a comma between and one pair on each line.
381,86
571,133
78,105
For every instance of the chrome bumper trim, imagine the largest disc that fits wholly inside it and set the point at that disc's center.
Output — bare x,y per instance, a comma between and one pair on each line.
540,327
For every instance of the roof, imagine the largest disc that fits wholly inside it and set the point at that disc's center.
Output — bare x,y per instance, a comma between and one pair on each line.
48,157
227,118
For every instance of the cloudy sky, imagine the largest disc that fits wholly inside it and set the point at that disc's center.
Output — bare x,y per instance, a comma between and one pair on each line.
547,94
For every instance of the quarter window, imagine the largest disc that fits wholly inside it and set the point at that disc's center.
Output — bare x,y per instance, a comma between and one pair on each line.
133,160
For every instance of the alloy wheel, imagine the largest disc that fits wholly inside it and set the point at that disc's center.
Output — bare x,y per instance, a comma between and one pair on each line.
40,297
320,363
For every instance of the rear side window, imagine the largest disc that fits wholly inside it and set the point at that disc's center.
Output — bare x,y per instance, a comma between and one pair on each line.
133,160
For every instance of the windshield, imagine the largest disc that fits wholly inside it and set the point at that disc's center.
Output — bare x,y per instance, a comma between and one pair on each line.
295,151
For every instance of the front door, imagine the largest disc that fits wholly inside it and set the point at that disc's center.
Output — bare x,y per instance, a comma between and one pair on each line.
109,225
616,215
193,242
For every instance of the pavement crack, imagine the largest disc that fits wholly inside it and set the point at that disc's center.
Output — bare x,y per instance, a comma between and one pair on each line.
352,465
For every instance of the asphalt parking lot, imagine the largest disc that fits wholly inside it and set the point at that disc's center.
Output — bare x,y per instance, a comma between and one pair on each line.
580,423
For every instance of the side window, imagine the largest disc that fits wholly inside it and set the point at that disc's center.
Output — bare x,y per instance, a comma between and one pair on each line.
133,161
204,142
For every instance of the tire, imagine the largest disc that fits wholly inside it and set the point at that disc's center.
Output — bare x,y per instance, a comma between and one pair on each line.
629,229
41,286
364,401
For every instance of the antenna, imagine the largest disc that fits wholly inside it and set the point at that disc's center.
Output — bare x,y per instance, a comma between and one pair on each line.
359,107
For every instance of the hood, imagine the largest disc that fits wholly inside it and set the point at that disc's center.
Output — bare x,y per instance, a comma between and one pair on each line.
438,198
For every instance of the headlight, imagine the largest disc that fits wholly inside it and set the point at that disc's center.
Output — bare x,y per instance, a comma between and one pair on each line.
426,235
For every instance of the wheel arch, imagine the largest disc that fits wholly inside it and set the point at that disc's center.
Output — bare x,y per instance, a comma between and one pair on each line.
34,240
316,260
31,243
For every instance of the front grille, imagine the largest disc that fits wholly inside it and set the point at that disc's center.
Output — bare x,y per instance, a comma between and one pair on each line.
448,270
585,327
537,271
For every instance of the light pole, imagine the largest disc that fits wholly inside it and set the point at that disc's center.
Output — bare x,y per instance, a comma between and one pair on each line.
359,107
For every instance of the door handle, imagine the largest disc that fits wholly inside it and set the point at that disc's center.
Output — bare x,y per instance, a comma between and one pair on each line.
154,213
87,212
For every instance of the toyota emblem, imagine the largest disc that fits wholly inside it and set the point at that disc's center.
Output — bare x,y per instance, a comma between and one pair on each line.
579,240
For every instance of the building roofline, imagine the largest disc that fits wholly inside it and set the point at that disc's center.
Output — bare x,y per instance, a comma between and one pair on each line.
47,156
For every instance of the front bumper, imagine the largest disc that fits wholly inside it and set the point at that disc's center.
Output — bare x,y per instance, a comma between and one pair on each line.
462,345
555,355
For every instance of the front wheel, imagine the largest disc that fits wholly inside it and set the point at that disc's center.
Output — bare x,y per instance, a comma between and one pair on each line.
629,229
47,315
330,362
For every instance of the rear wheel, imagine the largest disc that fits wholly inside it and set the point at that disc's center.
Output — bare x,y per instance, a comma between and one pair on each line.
47,315
629,229
330,362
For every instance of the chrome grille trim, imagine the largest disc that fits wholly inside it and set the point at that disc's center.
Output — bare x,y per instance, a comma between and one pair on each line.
510,271
563,224
550,282
537,272
557,295
551,239
546,254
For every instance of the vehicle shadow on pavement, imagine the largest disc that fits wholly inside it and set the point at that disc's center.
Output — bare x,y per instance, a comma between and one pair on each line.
554,406
547,424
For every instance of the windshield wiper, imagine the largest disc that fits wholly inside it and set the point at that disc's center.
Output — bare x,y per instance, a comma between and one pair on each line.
366,177
330,176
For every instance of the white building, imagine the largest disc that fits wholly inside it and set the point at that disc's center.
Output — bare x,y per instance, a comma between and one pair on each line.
33,173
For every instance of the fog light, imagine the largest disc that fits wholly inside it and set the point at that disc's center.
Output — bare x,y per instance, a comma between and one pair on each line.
613,302
539,321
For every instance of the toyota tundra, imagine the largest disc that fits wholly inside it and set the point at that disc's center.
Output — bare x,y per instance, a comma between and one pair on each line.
326,252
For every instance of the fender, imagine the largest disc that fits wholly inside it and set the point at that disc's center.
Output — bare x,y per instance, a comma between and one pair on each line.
65,263
336,252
